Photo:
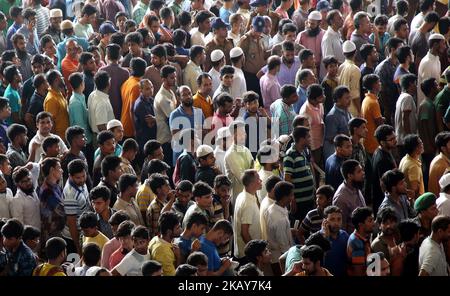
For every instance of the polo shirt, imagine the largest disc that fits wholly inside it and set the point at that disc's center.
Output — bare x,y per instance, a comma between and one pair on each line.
76,199
161,251
144,196
313,221
39,139
412,168
370,110
336,257
432,258
239,85
359,40
130,92
36,104
358,248
13,97
21,262
68,66
204,103
61,47
332,45
56,104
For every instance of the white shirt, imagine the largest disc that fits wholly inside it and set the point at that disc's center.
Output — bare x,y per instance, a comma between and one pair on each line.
443,204
246,211
432,258
265,204
26,208
430,67
239,86
83,31
131,264
263,175
165,102
5,204
405,102
278,231
332,45
190,74
219,155
197,37
235,37
237,159
215,75
100,109
417,21
38,138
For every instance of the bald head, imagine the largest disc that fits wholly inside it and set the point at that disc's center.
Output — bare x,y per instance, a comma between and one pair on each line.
72,48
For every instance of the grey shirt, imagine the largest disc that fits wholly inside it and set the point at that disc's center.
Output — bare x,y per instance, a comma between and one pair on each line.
402,208
347,199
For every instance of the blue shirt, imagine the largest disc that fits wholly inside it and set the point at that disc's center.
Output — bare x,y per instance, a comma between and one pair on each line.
31,47
383,43
3,135
14,101
11,31
182,51
22,262
336,122
333,174
184,245
210,250
142,108
302,97
336,258
78,114
225,14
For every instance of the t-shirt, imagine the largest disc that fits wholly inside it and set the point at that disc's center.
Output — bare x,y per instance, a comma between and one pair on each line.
370,110
432,258
131,264
404,103
210,250
412,168
100,239
47,269
357,249
162,251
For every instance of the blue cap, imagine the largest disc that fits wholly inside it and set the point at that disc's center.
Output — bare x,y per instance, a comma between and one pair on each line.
323,4
258,23
256,3
218,23
107,28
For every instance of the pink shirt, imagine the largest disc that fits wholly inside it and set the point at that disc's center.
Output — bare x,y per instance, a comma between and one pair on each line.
282,13
315,117
108,249
219,121
116,258
270,90
312,43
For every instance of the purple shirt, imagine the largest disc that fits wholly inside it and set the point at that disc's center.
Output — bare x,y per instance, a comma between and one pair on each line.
286,74
270,90
118,76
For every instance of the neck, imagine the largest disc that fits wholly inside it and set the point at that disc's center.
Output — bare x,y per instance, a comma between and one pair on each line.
394,195
355,139
186,234
51,180
250,190
166,86
75,150
349,183
55,262
434,52
415,155
362,233
126,197
167,237
299,147
385,148
334,235
109,180
161,198
105,214
335,27
369,63
436,238
16,145
273,72
235,30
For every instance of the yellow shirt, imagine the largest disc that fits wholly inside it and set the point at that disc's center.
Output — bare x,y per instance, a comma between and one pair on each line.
204,103
44,269
100,240
161,251
144,197
437,168
370,110
56,104
350,75
412,168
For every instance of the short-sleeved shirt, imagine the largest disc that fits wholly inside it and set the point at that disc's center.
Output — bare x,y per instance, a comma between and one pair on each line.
130,93
370,110
336,122
131,264
78,114
36,104
21,262
427,126
315,115
412,168
333,174
432,258
313,221
13,97
162,251
205,104
100,240
100,109
336,258
76,199
210,250
358,248
56,104
284,115
297,165
442,100
402,208
144,196
405,103
165,102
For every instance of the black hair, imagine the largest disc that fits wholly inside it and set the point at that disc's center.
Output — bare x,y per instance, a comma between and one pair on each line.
329,60
101,79
223,225
72,132
340,139
406,81
110,163
91,254
125,229
167,221
85,57
427,86
185,269
287,90
273,62
100,191
440,222
201,76
289,27
313,253
299,132
130,144
157,166
442,139
287,46
104,136
249,269
88,220
394,43
15,11
195,51
314,91
222,99
76,166
3,103
150,147
250,96
197,219
355,5
271,182
380,20
412,141
408,229
75,80
149,267
125,181
304,54
117,38
399,23
318,239
201,189
15,130
355,123
47,164
10,72
12,229
184,18
444,25
221,180
339,92
138,66
202,16
366,50
283,189
165,13
120,14
118,217
348,167
54,247
159,51
249,177
134,37
197,258
156,4
28,12
254,249
385,214
30,233
370,80
326,190
401,7
402,53
19,174
383,131
167,70
113,51
426,5
157,181
391,178
141,232
331,15
359,216
331,210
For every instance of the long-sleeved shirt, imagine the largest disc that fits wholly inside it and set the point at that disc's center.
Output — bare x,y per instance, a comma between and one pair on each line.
350,75
190,74
332,45
278,231
430,67
347,199
270,90
26,208
237,159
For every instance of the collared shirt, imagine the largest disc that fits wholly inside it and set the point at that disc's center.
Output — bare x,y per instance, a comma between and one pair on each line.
336,122
22,262
153,213
336,258
402,208
16,156
333,174
417,20
442,100
69,66
131,208
246,212
139,12
56,104
32,46
405,103
53,216
347,199
234,37
25,67
279,234
315,118
162,251
104,226
13,97
350,75
89,83
220,120
190,74
78,114
430,67
165,103
358,248
332,45
412,168
359,41
213,45
389,92
287,74
26,208
36,104
370,110
55,33
100,109
204,103
144,196
118,76
432,258
254,53
76,199
39,139
195,208
264,206
270,89
437,168
237,159
443,204
126,166
299,17
283,115
5,204
61,47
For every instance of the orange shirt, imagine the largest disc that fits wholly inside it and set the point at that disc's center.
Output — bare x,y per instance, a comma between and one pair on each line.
205,104
68,66
130,93
56,104
370,110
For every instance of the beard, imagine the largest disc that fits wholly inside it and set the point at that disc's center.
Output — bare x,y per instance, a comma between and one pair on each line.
28,191
21,53
188,104
313,32
358,184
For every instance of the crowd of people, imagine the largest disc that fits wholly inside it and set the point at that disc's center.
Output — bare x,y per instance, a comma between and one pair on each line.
228,137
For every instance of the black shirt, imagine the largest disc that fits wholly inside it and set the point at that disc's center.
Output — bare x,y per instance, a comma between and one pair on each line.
205,174
113,189
382,162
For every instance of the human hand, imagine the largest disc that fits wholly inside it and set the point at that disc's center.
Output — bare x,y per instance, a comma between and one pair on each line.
196,245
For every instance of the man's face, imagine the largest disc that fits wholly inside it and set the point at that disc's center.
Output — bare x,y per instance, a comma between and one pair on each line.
91,19
79,178
134,48
391,141
312,24
403,32
227,107
197,230
221,32
369,223
90,65
265,256
141,245
3,24
154,27
204,201
362,131
31,21
171,79
339,20
252,106
308,266
186,97
334,222
100,205
72,49
45,125
80,141
206,85
227,80
11,243
345,150
57,171
202,270
147,89
89,231
20,44
289,56
431,212
108,147
158,154
26,184
22,139
332,70
290,36
206,25
116,173
358,175
126,242
346,100
442,46
157,61
322,201
120,23
223,191
6,112
388,227
401,187
56,22
310,63
201,58
374,55
365,25
50,48
184,197
118,133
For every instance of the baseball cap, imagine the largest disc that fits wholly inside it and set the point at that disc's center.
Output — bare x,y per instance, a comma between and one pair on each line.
258,23
218,23
107,28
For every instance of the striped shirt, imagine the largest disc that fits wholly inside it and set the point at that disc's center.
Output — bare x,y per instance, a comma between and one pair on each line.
312,222
42,19
283,115
76,199
153,213
296,164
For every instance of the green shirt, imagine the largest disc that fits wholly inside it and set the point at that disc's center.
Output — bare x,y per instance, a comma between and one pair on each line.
14,101
176,8
5,5
442,100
